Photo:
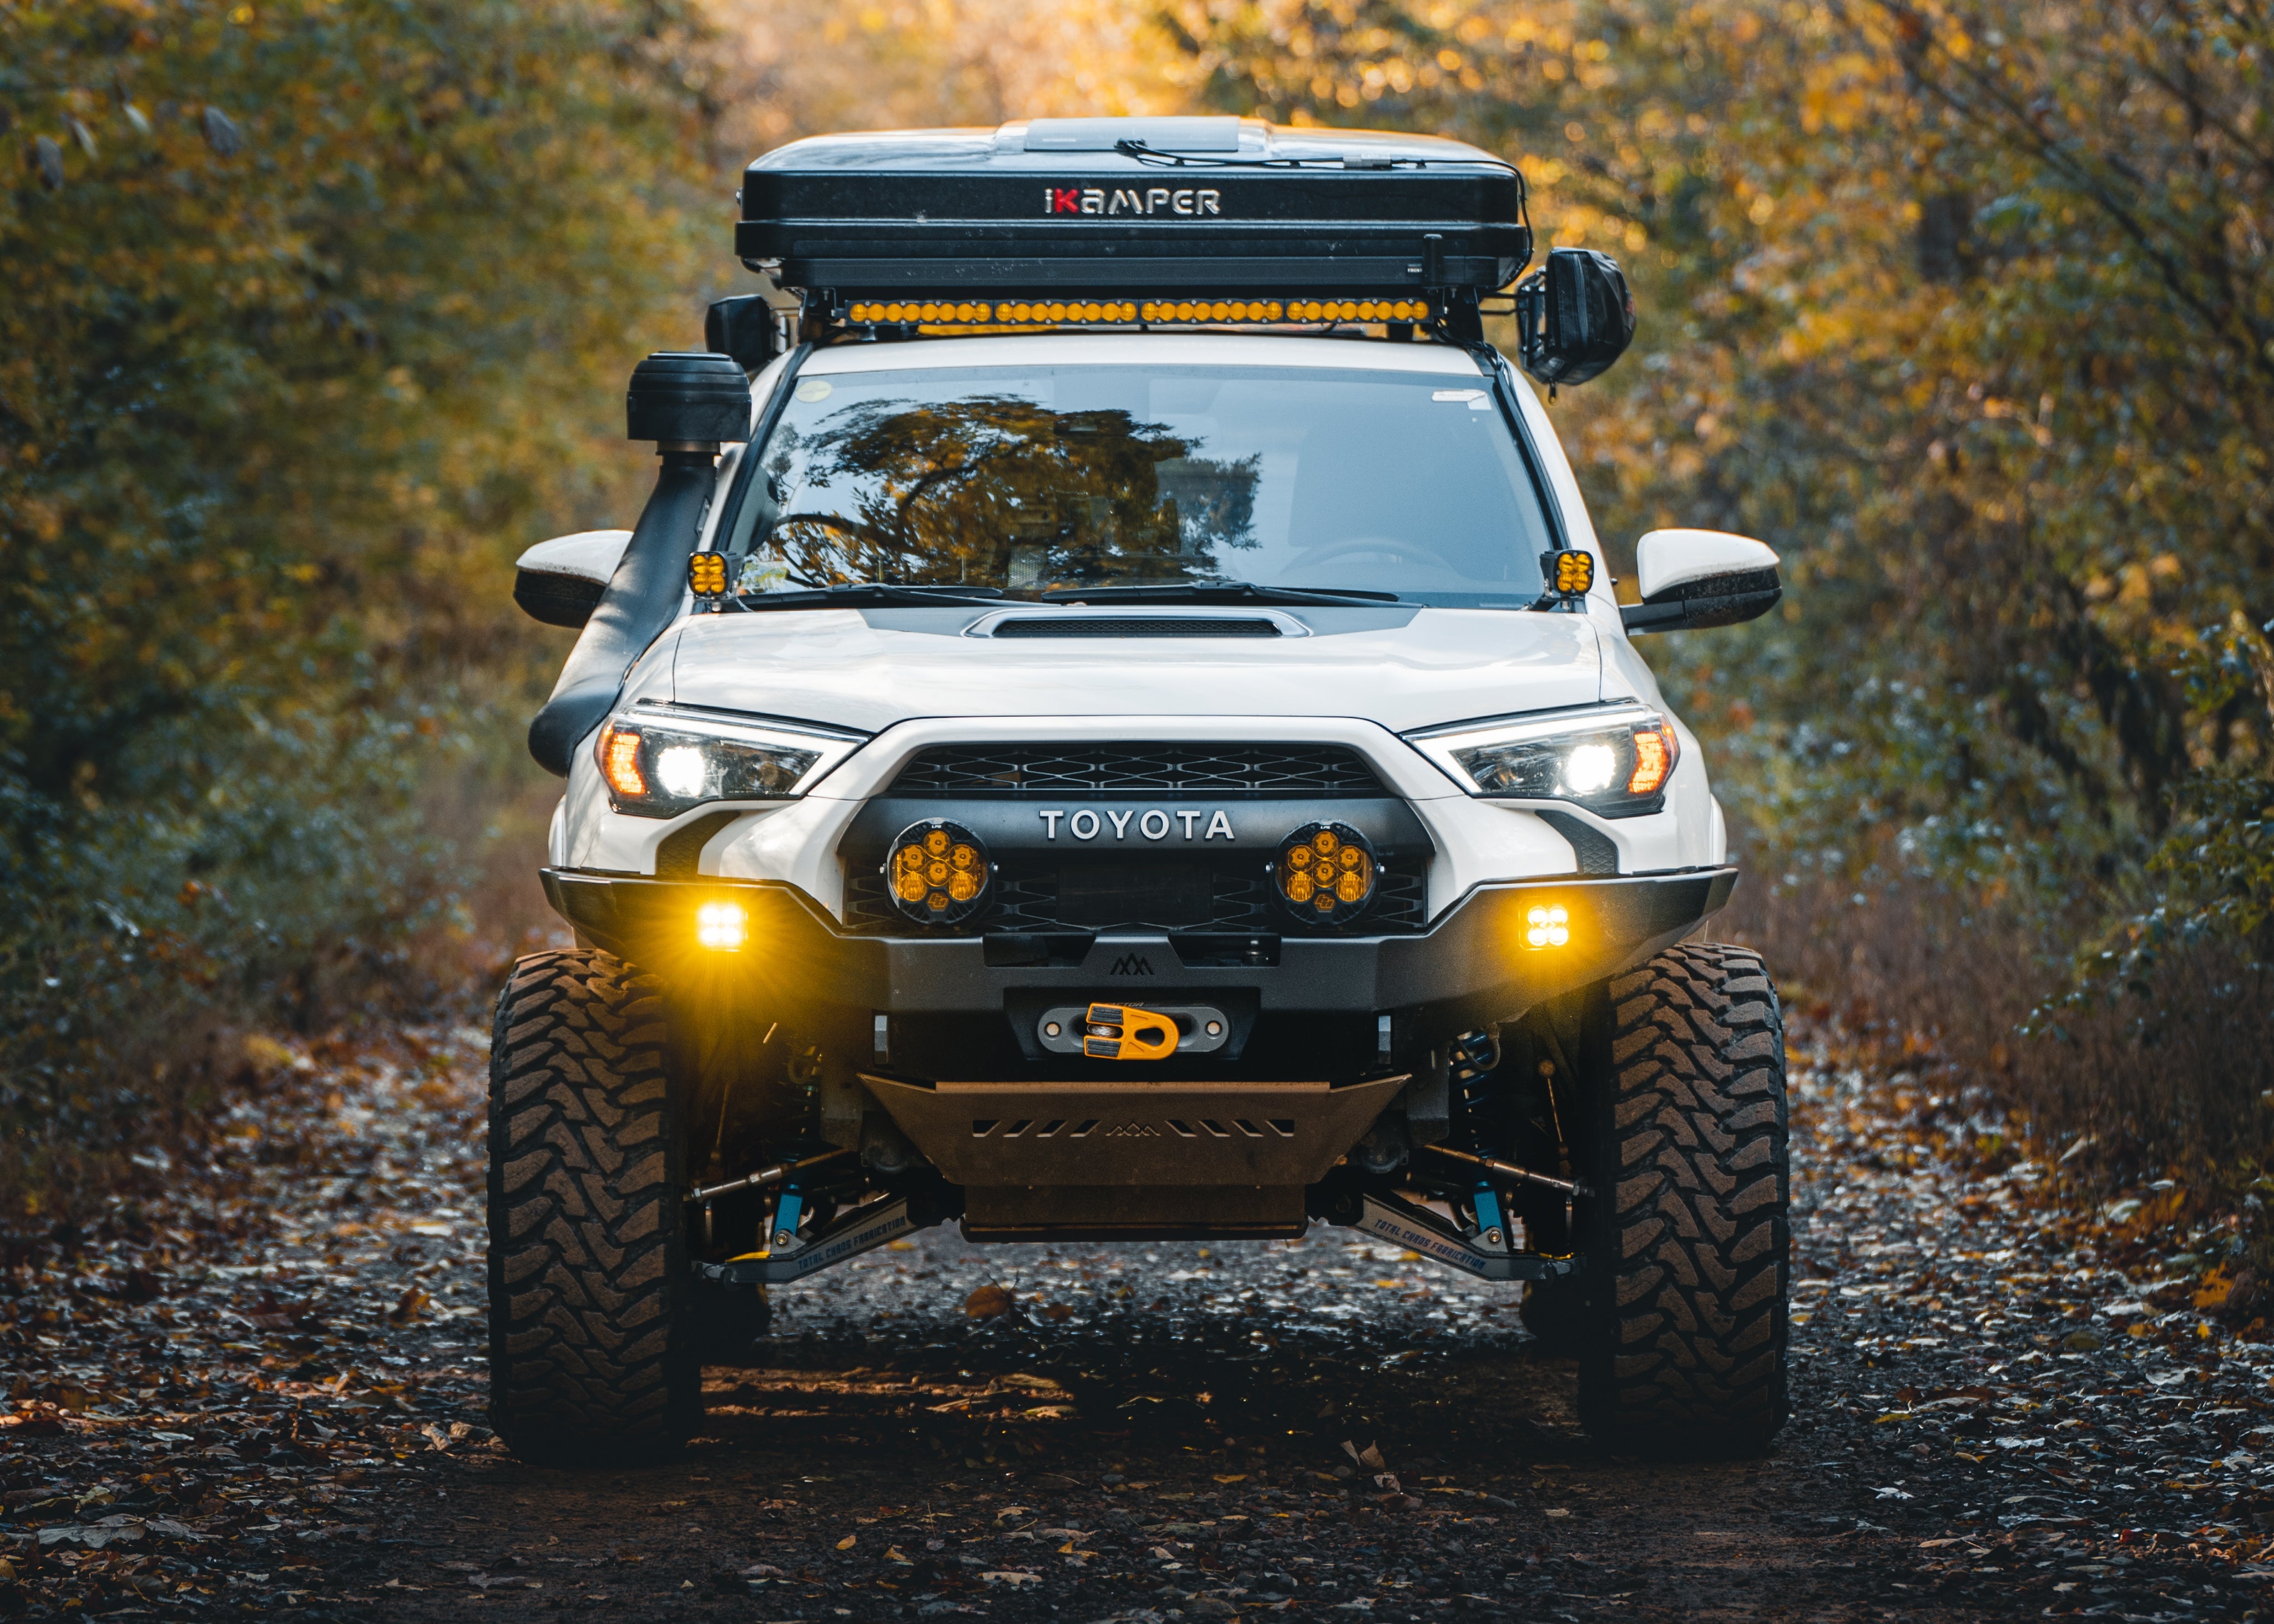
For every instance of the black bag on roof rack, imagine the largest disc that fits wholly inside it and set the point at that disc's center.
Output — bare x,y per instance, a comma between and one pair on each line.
1134,207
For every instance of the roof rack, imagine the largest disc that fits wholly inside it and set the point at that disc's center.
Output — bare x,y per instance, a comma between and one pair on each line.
1137,221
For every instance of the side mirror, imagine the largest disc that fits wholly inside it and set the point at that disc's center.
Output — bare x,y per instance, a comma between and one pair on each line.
1693,579
1574,316
560,581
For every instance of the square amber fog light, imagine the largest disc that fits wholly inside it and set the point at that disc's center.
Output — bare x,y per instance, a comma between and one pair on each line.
722,927
1546,924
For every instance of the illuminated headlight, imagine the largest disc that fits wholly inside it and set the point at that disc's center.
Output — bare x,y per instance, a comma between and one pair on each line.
938,872
1614,759
1546,924
659,760
1325,873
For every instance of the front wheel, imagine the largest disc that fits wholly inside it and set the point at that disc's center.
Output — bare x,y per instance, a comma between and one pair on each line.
591,1355
1688,1277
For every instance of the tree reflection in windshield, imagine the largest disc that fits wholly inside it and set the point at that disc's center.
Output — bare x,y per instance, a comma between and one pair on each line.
997,490
1057,477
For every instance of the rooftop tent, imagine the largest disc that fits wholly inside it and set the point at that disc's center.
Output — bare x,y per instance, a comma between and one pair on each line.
1133,207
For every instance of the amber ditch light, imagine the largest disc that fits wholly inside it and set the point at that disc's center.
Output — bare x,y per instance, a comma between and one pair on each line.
1326,873
1572,574
706,575
938,872
722,927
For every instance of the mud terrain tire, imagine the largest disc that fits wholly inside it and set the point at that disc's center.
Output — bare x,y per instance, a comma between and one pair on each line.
1688,1276
592,1357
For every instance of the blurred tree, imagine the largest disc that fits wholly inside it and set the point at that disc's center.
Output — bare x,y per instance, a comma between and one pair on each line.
1967,310
316,309
789,68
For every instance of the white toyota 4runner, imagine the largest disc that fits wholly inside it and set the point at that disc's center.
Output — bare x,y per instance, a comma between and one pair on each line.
1114,724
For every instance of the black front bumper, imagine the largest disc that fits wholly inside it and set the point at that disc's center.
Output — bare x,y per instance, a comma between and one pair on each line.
1300,1006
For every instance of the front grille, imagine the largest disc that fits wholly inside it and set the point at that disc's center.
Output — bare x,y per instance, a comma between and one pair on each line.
1039,626
1129,768
1038,895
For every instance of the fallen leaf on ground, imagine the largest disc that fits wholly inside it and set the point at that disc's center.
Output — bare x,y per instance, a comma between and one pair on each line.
987,1302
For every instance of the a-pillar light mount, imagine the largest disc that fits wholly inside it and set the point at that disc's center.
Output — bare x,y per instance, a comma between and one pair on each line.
938,873
1326,874
1566,578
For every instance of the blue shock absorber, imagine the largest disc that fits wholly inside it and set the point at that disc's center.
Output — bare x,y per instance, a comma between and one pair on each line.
786,1211
1492,1222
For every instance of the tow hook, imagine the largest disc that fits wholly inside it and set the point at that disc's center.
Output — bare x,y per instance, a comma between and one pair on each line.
1123,1031
1072,1029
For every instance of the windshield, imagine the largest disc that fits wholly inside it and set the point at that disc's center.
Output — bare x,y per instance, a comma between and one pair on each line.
1055,478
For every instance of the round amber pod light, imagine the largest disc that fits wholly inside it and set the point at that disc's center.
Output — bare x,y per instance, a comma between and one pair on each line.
1326,873
938,873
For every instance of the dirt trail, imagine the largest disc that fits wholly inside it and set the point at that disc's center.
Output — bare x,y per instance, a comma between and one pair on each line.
1171,1445
271,1400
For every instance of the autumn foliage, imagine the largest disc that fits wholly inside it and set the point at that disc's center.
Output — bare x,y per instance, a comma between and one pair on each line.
318,311
314,311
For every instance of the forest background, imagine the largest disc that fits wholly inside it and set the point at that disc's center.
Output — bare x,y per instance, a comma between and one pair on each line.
318,311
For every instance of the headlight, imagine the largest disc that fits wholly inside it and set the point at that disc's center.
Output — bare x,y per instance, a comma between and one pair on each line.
1614,759
659,760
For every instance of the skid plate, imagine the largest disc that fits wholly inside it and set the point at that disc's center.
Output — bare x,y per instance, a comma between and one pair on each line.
1095,1135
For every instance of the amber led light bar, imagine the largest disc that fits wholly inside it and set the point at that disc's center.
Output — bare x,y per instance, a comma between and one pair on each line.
1155,312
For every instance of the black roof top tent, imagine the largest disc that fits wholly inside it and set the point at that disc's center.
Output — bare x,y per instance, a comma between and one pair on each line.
1134,208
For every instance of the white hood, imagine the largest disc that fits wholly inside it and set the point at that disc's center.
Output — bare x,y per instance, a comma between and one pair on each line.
834,667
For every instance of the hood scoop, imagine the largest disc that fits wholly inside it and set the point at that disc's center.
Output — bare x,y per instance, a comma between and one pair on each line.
1052,626
1082,623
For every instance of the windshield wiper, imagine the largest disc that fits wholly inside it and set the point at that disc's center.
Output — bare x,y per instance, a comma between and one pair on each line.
871,594
1225,591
